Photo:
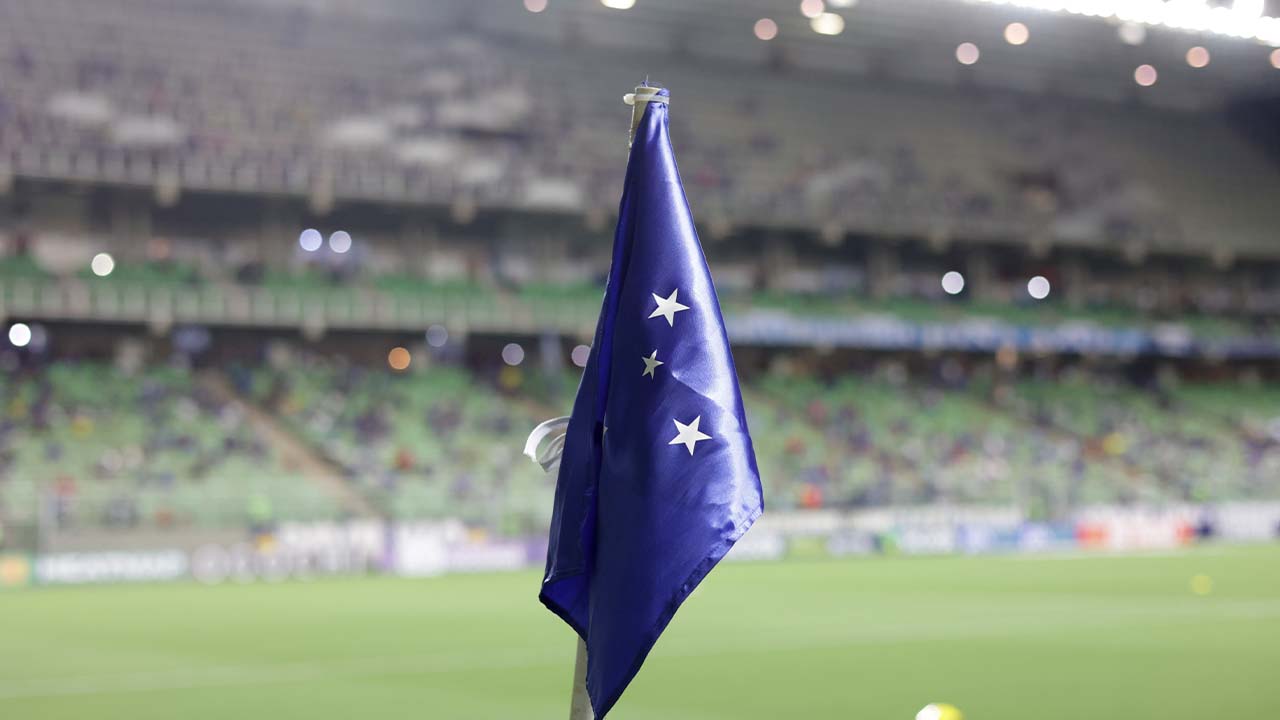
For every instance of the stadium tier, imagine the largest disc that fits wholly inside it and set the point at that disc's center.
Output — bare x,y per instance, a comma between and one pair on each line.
85,444
167,447
262,100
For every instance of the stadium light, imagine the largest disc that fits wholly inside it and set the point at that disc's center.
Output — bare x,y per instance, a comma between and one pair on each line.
580,355
842,3
513,354
766,29
19,334
310,240
102,264
952,283
1015,33
1244,19
340,241
812,8
1275,58
1145,75
827,24
1038,287
1197,57
535,6
618,4
967,53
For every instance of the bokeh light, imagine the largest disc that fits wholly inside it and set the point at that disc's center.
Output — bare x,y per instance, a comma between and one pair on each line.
618,4
1145,75
1275,58
952,282
535,6
967,53
102,264
827,24
310,240
580,354
1015,33
1132,33
512,354
1038,287
399,358
340,241
19,334
766,29
1197,57
812,8
437,336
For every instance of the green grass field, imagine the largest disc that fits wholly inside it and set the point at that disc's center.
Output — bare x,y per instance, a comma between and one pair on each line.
1002,638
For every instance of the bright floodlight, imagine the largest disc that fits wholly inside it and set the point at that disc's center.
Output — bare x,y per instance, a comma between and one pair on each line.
437,336
967,53
102,264
812,8
535,6
19,334
580,355
952,283
310,240
1016,33
1275,58
512,354
1145,75
827,24
1132,33
1243,19
340,242
1038,287
618,4
766,29
842,3
1197,57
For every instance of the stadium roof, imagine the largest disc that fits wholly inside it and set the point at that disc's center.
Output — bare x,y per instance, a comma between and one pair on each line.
917,40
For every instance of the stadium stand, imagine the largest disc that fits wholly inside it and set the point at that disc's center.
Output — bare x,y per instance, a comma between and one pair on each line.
125,92
162,450
90,444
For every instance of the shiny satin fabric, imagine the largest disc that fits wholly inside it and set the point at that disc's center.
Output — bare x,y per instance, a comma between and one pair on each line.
644,507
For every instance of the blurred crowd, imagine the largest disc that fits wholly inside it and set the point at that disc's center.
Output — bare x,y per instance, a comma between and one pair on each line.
235,98
90,444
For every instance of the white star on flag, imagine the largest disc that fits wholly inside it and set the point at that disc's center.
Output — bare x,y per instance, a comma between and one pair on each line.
650,363
668,307
688,435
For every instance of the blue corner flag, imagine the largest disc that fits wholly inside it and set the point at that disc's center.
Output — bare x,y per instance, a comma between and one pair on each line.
658,478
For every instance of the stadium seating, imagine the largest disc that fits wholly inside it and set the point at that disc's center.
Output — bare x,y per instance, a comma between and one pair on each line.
91,445
162,449
121,91
430,443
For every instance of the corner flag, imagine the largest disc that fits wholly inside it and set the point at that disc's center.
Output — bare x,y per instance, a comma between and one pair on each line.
658,477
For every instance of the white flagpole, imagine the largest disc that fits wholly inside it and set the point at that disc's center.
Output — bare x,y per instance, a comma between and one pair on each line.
580,701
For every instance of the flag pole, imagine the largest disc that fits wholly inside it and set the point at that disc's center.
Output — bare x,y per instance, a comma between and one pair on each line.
580,702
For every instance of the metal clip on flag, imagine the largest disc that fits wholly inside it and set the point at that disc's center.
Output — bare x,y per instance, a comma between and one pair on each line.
657,477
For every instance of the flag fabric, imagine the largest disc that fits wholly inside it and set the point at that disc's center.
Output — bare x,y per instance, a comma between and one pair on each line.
658,477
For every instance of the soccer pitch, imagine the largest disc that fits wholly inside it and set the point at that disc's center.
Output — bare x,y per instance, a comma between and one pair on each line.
1009,638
